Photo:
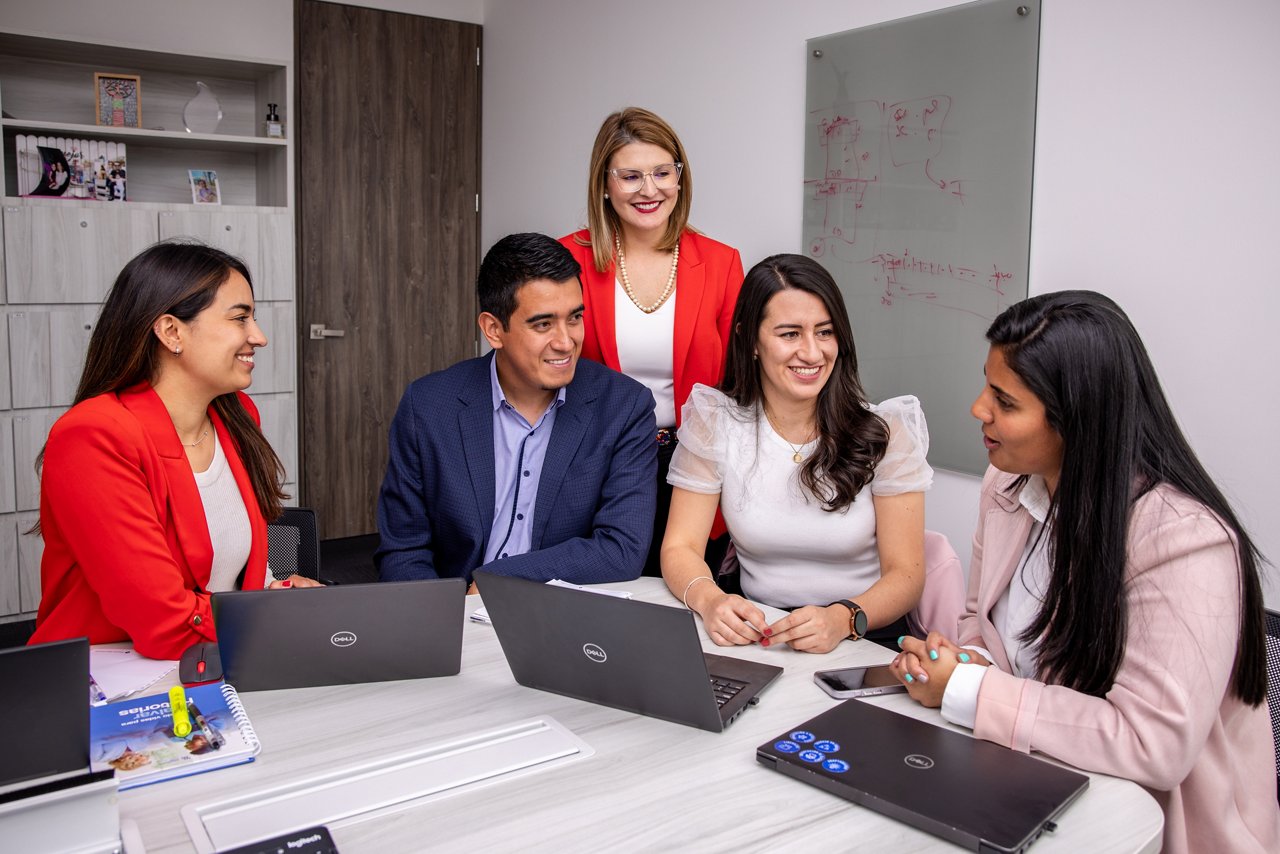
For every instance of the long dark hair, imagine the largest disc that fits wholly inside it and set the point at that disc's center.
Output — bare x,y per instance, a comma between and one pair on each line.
1080,355
181,279
851,438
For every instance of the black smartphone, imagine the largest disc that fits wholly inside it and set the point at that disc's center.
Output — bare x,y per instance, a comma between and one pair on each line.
859,681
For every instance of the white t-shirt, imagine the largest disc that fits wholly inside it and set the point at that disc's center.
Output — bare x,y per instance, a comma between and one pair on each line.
793,552
646,348
229,528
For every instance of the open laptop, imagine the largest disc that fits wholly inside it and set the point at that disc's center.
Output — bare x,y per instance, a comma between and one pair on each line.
340,635
635,656
970,792
44,713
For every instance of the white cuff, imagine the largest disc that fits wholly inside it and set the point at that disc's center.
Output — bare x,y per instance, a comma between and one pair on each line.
960,700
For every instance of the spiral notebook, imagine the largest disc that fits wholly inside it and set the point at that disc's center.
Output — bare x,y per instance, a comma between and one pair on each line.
135,737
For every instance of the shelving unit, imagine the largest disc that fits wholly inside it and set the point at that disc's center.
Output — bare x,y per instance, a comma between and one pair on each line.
60,255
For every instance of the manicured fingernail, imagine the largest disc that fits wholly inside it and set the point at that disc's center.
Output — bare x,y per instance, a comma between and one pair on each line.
964,658
933,655
286,583
767,631
909,678
923,677
901,638
764,641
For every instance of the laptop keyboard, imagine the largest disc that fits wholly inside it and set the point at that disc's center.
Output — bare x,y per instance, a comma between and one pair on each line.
725,689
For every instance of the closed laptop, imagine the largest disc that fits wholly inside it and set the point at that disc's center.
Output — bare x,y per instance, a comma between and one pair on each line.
44,710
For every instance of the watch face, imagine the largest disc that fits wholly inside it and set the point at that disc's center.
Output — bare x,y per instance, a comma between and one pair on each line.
860,622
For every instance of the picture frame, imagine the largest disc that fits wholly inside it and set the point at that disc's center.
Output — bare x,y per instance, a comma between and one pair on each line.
204,187
118,98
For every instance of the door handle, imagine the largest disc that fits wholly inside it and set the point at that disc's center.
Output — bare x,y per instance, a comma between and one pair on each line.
319,333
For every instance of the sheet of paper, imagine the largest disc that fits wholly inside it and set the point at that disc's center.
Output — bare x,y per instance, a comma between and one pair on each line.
120,672
481,615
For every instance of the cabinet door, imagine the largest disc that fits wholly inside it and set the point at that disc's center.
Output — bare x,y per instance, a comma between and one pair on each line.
30,549
30,430
236,233
70,254
10,594
273,280
49,347
274,367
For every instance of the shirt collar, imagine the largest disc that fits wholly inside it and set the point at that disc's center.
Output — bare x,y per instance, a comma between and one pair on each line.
500,396
1035,497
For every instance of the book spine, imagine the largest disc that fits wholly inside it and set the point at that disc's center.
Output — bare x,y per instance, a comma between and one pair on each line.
232,700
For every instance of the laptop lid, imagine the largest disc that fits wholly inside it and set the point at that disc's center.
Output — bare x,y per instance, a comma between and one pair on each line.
926,776
340,635
635,656
44,713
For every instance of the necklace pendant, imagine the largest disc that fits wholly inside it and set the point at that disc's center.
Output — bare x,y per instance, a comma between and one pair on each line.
797,457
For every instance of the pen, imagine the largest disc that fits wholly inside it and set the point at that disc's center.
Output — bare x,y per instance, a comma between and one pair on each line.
214,737
96,694
178,710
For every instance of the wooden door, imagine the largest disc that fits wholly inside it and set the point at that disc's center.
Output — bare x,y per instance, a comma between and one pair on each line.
388,180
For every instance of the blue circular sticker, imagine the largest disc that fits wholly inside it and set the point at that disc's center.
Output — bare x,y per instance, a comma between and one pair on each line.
786,747
802,737
836,766
827,746
812,756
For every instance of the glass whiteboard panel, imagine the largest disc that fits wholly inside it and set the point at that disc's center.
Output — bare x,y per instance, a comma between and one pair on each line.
919,137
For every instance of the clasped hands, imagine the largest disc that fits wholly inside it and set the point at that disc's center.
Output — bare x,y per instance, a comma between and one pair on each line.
731,620
925,666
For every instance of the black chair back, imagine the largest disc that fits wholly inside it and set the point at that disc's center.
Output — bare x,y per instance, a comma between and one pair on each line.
293,544
1273,686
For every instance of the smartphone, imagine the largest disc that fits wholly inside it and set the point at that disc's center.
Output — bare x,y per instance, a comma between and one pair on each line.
859,681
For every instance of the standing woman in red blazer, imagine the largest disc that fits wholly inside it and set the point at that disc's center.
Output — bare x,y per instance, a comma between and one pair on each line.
659,296
156,484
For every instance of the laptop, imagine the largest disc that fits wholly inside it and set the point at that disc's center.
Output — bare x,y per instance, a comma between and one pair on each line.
340,635
635,656
44,714
927,776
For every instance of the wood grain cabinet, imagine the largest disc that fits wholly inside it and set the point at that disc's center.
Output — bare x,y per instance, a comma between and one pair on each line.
61,256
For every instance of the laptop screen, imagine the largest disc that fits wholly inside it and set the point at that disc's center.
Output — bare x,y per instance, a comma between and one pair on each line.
44,716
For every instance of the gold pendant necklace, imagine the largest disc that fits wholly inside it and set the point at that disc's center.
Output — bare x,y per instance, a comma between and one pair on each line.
797,457
626,282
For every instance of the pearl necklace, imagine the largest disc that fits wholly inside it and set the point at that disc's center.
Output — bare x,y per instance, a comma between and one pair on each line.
626,282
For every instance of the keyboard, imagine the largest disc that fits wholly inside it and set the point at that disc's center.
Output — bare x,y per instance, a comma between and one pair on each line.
725,689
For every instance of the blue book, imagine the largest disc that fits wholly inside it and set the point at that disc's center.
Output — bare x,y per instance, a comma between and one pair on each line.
135,737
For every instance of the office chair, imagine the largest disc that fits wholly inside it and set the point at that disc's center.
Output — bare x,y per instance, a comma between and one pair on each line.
293,545
1273,685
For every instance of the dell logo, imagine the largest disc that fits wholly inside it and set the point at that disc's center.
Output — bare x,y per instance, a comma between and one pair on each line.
919,761
343,639
594,653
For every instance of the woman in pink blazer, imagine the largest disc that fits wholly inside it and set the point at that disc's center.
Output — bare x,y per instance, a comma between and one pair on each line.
1115,613
659,296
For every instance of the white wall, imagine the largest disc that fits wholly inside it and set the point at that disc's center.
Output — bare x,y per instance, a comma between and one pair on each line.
1153,182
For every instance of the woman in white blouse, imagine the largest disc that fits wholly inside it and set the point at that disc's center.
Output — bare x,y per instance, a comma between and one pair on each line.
823,493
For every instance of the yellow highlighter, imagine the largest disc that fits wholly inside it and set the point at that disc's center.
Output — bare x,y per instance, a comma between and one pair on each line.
178,708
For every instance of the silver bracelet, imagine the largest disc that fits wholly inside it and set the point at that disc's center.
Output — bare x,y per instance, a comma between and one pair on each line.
696,579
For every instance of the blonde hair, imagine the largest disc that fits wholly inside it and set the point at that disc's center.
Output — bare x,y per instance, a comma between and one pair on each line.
633,124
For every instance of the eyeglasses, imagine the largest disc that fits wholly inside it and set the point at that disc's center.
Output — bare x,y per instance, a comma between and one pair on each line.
664,177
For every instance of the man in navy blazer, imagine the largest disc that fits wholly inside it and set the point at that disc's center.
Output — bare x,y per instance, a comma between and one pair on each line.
526,461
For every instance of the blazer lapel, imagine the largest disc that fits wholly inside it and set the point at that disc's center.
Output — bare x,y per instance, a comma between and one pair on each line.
475,426
186,510
572,422
601,288
691,274
1004,540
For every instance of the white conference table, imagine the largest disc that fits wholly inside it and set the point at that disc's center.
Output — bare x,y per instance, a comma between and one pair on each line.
651,785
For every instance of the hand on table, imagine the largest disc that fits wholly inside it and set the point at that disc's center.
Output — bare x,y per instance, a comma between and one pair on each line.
925,666
294,580
729,619
813,628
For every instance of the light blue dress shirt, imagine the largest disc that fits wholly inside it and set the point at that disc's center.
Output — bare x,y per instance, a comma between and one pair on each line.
518,452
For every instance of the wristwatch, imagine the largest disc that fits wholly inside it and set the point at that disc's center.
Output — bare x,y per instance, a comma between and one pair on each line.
857,618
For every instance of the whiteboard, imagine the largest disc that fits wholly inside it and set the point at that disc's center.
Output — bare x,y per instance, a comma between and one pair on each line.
919,135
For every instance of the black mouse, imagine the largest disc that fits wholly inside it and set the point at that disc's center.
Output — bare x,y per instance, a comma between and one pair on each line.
200,663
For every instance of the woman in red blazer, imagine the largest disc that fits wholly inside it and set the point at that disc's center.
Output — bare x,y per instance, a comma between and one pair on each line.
659,296
156,484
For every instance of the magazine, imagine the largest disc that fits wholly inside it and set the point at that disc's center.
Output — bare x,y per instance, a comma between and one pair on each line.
135,737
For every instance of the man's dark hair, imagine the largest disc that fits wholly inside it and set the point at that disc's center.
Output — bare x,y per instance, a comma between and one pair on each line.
514,261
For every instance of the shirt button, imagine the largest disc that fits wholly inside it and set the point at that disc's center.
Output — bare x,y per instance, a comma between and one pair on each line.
520,516
504,554
196,620
526,472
